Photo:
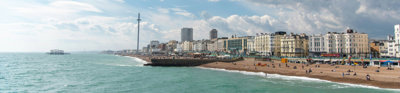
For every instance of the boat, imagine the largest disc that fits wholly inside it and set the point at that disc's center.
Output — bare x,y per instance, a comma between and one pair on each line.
57,52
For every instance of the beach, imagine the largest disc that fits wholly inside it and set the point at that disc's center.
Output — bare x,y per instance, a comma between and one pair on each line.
336,73
383,79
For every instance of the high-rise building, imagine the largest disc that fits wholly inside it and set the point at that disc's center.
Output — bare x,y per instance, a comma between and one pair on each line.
186,34
397,39
213,34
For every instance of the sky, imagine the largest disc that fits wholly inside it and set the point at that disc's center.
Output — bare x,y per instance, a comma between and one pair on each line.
94,25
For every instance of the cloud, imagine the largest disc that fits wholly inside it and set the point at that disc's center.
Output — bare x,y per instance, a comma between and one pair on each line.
73,5
121,1
182,12
213,0
163,10
314,16
110,24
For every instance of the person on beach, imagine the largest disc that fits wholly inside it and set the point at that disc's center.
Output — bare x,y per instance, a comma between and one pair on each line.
355,74
279,65
342,74
368,77
306,71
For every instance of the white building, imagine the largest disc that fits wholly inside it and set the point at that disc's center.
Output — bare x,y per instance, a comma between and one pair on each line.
391,51
216,44
179,47
316,45
264,43
200,45
397,38
187,46
154,46
251,45
347,44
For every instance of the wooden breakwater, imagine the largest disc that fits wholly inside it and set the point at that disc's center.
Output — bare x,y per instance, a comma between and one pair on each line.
187,62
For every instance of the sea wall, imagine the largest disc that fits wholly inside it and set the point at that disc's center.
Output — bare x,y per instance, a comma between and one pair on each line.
180,62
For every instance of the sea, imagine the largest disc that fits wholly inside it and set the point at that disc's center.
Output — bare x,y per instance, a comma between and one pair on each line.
103,73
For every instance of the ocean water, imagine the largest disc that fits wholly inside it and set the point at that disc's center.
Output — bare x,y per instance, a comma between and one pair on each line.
101,73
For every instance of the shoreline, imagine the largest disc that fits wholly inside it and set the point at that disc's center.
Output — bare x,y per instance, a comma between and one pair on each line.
379,84
378,80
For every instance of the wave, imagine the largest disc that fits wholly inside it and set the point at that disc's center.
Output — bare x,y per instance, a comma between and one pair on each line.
142,62
237,71
285,77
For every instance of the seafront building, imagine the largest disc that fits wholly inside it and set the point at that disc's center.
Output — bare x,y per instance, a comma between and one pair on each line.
187,46
347,44
281,44
154,46
201,45
251,45
186,34
277,43
294,45
397,39
316,45
389,48
264,44
171,45
236,45
376,48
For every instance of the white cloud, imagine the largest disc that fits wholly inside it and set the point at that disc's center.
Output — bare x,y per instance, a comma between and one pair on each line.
121,1
73,5
314,16
213,0
182,12
163,10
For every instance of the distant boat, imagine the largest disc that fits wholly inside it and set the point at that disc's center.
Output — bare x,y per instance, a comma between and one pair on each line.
57,52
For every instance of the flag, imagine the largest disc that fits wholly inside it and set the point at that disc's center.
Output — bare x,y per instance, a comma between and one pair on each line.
349,59
343,60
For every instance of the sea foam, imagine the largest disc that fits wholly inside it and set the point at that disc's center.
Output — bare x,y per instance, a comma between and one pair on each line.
142,62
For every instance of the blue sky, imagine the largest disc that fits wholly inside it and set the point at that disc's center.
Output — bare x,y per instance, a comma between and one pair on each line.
87,25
